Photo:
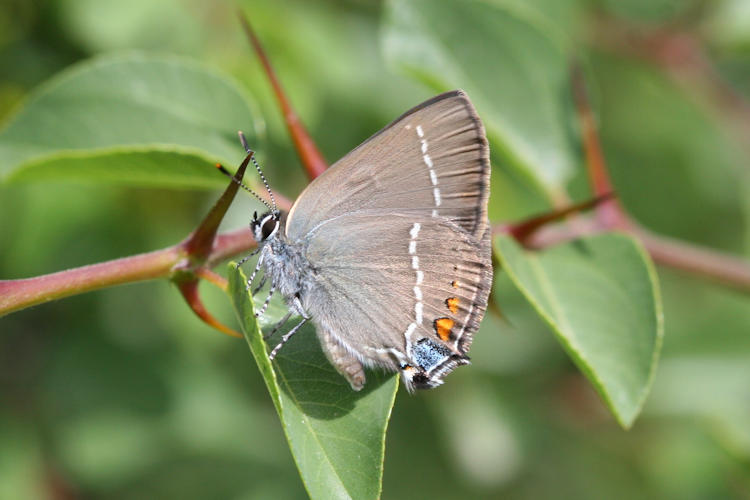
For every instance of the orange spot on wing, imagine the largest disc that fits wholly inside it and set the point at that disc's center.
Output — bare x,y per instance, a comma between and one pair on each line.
452,303
443,327
454,284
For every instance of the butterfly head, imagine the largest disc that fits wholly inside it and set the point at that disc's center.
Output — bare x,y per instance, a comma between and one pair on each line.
265,226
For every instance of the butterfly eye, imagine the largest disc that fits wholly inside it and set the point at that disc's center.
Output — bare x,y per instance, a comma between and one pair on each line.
269,227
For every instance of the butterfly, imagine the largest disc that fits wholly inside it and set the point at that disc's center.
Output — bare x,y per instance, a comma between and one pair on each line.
388,252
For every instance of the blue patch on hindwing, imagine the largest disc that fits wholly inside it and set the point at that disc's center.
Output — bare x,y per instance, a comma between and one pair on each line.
429,354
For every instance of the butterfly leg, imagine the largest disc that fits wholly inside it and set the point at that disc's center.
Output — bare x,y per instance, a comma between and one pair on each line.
285,338
248,257
260,285
255,272
263,308
277,326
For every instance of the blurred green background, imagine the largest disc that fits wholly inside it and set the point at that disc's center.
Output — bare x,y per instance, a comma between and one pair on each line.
122,393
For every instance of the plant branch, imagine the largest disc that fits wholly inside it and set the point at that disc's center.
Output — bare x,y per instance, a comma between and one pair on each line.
521,231
611,213
308,152
199,245
227,245
22,293
188,261
215,279
189,290
598,175
725,269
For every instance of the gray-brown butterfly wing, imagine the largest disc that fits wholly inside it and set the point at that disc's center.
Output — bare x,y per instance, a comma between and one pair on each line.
397,236
432,161
397,290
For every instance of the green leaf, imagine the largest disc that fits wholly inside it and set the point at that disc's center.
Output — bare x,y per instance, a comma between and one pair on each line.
664,145
129,118
337,436
647,11
601,298
512,64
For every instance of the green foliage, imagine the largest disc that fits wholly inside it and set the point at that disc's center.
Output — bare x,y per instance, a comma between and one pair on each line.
337,436
135,118
607,316
650,118
446,44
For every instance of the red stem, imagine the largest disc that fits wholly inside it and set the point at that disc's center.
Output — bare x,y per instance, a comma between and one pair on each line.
215,279
18,294
228,245
189,291
521,231
725,269
610,213
308,152
22,293
728,270
598,175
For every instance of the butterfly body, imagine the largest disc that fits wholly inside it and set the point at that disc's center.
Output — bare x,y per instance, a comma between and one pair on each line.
388,251
290,271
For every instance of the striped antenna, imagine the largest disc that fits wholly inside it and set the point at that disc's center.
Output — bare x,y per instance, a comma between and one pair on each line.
224,171
257,167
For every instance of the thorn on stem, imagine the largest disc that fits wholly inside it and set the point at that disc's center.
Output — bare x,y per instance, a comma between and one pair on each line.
189,291
308,152
521,231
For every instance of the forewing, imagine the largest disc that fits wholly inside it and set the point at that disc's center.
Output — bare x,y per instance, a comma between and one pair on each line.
383,281
432,161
